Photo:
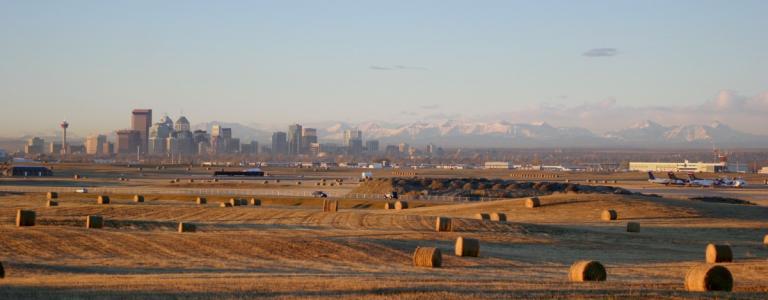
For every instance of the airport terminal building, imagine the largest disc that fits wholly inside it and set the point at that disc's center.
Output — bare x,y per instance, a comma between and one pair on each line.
686,166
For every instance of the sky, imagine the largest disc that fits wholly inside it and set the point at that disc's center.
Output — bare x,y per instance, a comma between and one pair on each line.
595,64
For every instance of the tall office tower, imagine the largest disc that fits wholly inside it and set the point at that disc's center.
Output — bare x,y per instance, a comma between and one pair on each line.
141,120
352,134
308,137
35,145
128,141
158,135
372,146
294,139
94,144
181,141
279,143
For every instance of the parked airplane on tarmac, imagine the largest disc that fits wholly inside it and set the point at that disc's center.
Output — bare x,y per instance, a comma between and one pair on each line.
664,181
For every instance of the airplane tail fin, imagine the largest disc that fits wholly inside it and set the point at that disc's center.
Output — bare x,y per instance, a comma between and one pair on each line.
650,175
691,176
672,175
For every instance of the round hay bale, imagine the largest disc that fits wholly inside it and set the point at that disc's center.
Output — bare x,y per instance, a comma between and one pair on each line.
499,217
266,182
225,204
191,181
483,216
389,205
138,198
102,200
429,257
51,203
25,218
186,227
467,247
77,176
234,202
633,227
2,271
94,222
298,182
765,240
587,270
718,254
51,195
401,205
255,202
443,224
609,215
703,278
532,202
201,200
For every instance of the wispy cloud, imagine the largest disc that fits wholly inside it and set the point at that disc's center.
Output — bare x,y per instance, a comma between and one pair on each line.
601,52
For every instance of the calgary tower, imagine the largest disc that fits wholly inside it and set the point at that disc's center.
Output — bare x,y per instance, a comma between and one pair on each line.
64,126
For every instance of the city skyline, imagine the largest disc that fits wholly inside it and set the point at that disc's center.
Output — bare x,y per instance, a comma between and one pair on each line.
591,64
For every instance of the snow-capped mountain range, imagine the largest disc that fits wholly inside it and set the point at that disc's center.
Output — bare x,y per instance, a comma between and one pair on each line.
507,134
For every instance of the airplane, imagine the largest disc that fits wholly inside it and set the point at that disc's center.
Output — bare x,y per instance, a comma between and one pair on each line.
664,181
674,180
731,182
693,180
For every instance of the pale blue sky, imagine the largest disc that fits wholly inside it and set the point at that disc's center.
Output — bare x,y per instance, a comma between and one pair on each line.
275,62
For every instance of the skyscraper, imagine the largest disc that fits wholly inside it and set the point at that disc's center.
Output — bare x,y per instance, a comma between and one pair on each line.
279,143
372,146
94,144
352,134
128,141
308,137
294,139
141,120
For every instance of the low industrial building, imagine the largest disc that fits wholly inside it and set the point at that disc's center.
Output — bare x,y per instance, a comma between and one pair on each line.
255,172
27,171
686,166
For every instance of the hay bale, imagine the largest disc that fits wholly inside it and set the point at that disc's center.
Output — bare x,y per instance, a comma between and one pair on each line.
234,202
765,240
102,200
25,218
633,227
51,203
186,227
330,205
483,216
703,278
389,205
51,195
718,253
587,270
499,217
401,205
201,200
609,215
532,202
429,257
76,177
467,247
443,224
225,204
255,202
94,222
2,271
138,198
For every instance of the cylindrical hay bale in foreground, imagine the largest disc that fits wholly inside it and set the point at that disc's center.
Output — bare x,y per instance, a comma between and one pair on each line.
765,240
467,247
51,203
226,204
186,227
499,217
443,224
102,200
703,278
52,195
389,205
201,200
234,202
587,270
483,216
427,257
609,215
255,202
633,227
94,222
401,205
718,253
25,218
532,202
138,198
